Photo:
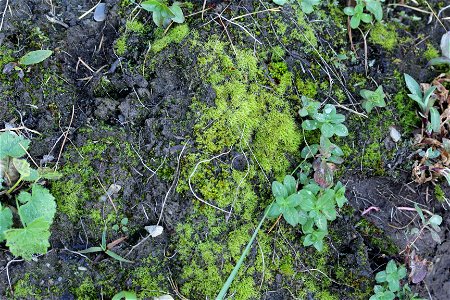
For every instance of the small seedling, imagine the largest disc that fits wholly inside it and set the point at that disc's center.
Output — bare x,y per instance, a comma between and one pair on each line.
431,224
31,58
329,122
373,99
106,248
122,226
163,15
307,6
430,115
357,13
445,50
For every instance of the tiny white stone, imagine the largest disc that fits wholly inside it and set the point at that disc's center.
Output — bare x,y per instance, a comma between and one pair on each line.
100,12
395,134
82,269
154,230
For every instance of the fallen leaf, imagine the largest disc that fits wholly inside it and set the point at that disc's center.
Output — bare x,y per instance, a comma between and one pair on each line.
154,230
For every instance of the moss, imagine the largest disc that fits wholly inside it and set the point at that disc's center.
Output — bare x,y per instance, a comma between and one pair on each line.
439,193
431,52
307,87
376,237
70,197
135,26
86,290
121,45
384,35
23,289
406,107
149,279
373,159
175,35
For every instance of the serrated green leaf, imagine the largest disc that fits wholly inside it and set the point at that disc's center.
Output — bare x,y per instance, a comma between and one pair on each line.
39,204
32,239
5,220
22,166
12,145
35,57
33,176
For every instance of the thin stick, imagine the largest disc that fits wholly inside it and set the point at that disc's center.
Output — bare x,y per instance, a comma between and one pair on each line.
193,173
3,15
256,12
66,133
21,128
89,11
107,194
274,224
174,182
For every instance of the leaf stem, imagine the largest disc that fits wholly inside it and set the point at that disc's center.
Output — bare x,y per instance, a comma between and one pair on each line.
14,186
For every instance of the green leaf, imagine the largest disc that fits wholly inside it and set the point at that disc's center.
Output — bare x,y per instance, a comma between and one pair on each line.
293,200
380,277
340,130
91,250
366,18
329,213
308,226
279,190
12,145
354,22
280,2
327,130
178,13
401,272
374,6
308,241
428,101
33,176
391,267
439,61
275,211
48,173
309,151
150,5
39,204
435,119
126,295
349,11
435,220
117,257
309,124
318,245
35,57
290,183
394,285
32,239
413,86
419,212
326,199
22,166
291,216
307,200
307,6
302,217
321,222
5,220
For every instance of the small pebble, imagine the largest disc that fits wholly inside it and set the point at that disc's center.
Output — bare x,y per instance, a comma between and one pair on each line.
395,134
154,230
100,12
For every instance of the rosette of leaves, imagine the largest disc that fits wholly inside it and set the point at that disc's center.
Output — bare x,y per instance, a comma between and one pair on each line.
358,15
328,121
389,286
327,155
35,207
373,98
163,14
430,115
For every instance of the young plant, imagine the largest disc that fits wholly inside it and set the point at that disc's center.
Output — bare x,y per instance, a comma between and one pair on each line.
445,50
163,15
307,6
389,284
431,224
31,58
357,13
35,210
328,121
373,99
106,248
430,115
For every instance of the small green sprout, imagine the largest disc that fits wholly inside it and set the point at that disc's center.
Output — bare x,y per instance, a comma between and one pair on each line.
122,226
429,114
373,99
307,6
30,58
329,122
357,13
163,15
105,248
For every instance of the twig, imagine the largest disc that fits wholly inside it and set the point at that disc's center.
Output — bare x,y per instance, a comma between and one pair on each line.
66,133
89,11
174,182
107,194
193,173
21,128
3,15
274,224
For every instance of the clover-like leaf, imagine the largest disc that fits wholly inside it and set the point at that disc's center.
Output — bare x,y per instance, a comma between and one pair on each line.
310,124
380,277
32,239
12,145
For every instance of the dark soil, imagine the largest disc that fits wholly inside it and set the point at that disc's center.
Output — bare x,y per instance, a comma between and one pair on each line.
134,119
